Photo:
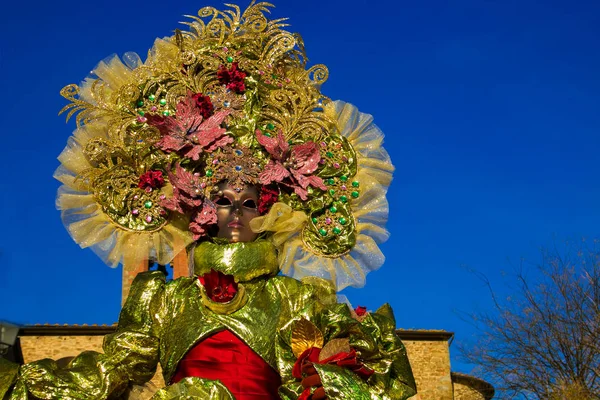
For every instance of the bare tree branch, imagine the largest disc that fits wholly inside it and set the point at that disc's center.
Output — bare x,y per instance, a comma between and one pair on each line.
544,341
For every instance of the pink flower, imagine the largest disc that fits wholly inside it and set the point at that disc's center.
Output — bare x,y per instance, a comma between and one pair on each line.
292,166
188,132
203,219
188,198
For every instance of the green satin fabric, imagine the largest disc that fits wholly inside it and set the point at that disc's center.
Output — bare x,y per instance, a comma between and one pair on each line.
161,321
244,260
194,389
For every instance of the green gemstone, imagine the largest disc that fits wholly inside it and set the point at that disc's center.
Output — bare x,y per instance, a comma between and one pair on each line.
337,230
148,204
270,126
267,134
229,59
209,172
331,181
331,192
141,113
152,97
140,103
355,184
166,113
343,199
344,178
329,154
343,221
163,102
323,232
314,220
333,209
354,194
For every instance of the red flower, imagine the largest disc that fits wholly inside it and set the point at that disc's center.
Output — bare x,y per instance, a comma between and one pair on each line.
309,356
268,196
305,395
233,78
341,359
204,104
360,310
151,179
219,287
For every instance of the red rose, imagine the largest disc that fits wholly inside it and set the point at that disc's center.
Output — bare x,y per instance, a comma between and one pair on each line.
151,179
233,77
350,361
268,196
204,105
341,359
220,288
310,355
360,310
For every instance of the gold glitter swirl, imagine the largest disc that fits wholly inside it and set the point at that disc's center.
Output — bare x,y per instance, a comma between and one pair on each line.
187,57
79,107
318,74
127,94
256,22
278,44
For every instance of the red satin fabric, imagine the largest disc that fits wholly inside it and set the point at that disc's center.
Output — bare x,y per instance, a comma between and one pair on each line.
226,357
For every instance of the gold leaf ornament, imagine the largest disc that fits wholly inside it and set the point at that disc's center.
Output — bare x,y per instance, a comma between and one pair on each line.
305,335
333,347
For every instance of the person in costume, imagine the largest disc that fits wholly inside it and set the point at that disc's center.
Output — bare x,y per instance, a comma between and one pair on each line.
221,145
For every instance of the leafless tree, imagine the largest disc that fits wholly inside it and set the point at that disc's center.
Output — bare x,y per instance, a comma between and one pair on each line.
543,342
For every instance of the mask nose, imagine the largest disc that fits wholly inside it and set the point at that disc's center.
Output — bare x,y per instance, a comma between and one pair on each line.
237,210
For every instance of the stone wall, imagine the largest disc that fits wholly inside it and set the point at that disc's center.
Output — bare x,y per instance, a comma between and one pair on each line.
63,347
467,387
57,347
429,357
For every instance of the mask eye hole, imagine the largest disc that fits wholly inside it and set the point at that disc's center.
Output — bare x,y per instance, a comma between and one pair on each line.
223,201
249,203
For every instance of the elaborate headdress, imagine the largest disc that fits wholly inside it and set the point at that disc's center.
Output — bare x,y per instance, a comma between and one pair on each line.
229,99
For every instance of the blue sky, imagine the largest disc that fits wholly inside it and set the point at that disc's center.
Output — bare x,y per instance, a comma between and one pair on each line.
490,110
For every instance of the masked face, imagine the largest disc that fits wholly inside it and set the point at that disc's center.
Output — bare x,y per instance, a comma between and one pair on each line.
235,210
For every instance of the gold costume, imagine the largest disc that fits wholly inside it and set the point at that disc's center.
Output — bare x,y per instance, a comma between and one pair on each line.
220,136
161,321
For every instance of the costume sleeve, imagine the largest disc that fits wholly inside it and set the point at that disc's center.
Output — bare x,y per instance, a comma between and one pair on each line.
130,354
377,347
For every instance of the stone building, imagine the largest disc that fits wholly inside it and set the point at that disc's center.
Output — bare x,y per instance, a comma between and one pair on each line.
428,352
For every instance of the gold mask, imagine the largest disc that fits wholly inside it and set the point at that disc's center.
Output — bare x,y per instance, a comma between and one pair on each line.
235,209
